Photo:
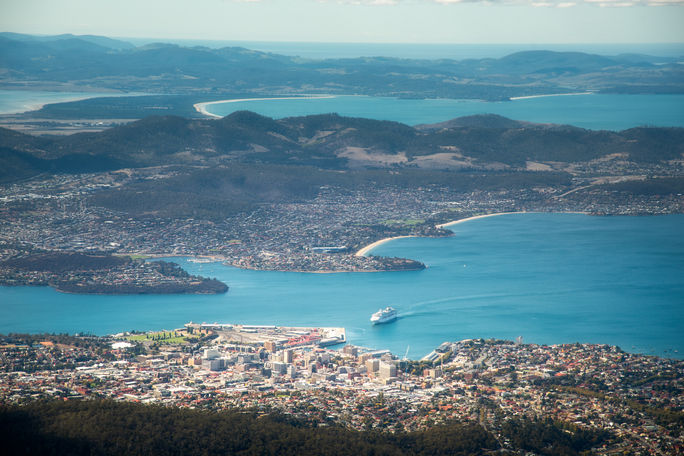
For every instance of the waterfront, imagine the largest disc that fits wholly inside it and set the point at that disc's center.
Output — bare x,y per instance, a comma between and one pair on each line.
552,278
594,111
16,101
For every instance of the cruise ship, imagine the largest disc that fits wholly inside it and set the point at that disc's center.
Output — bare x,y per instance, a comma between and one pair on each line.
385,315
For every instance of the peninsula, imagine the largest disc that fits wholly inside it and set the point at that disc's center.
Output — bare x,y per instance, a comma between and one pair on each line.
97,273
314,193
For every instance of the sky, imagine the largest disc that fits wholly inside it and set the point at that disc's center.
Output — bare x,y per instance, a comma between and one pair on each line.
361,21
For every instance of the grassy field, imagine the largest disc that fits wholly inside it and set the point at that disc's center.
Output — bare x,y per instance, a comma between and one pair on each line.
164,337
407,222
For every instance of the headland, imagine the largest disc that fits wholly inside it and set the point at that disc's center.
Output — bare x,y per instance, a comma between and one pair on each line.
202,106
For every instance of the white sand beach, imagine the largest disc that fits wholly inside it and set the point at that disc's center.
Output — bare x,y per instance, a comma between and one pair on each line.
369,247
456,222
202,107
550,95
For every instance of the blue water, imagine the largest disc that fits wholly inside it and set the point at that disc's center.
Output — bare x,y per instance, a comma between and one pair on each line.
551,278
597,112
15,101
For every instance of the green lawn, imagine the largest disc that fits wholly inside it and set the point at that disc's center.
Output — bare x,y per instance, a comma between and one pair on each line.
406,222
165,337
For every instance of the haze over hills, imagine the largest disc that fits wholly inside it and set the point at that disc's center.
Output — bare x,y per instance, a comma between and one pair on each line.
91,61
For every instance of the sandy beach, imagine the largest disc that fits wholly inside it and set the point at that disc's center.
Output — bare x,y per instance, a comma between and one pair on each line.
369,247
202,107
550,95
456,222
34,100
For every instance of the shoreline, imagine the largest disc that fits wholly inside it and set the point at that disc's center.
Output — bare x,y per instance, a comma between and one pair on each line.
202,106
527,97
36,105
475,217
365,250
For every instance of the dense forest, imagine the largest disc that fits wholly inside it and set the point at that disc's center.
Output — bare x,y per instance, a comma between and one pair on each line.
75,272
116,428
330,141
65,261
484,143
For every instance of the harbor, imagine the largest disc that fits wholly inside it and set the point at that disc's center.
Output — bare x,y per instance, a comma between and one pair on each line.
271,337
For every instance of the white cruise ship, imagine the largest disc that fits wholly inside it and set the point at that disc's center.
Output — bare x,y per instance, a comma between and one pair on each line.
385,315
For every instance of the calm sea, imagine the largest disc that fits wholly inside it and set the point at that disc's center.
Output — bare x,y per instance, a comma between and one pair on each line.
551,278
15,101
597,112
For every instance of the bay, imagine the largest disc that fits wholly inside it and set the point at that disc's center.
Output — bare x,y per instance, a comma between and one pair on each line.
593,111
16,101
551,278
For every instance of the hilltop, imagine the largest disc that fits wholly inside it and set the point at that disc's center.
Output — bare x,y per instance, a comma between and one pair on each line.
99,62
330,141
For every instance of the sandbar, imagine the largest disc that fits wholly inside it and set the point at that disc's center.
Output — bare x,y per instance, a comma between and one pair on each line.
202,107
550,95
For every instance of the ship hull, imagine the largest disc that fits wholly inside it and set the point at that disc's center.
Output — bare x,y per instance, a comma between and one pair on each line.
387,315
384,320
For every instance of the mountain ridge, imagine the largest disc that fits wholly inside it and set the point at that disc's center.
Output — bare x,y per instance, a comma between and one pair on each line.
330,141
163,68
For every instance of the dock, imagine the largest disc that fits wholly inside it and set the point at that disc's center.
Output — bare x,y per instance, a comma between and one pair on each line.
272,337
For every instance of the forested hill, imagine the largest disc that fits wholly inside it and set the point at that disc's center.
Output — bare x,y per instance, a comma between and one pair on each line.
116,428
103,63
482,143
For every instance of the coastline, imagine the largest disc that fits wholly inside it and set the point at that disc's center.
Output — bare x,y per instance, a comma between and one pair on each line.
475,217
550,95
202,106
35,105
365,250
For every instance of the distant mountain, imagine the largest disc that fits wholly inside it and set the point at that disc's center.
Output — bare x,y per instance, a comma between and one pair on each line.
549,62
167,68
330,141
95,39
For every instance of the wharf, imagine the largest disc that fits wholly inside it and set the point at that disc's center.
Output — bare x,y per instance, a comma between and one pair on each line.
271,335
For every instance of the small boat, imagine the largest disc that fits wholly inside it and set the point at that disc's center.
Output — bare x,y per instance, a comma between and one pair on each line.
386,315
